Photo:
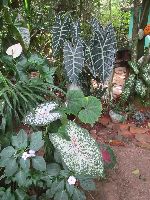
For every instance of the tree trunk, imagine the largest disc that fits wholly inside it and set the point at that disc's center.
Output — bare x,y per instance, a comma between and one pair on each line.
136,4
143,23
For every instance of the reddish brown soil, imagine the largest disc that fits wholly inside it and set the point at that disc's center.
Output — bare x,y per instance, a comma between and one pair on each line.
130,179
121,183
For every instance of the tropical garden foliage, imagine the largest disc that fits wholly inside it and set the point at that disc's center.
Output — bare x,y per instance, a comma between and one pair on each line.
50,51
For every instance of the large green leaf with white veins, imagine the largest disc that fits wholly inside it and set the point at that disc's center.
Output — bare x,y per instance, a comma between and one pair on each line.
60,31
81,154
73,60
100,53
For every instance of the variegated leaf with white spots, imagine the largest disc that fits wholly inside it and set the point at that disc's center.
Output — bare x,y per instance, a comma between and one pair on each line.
43,114
81,154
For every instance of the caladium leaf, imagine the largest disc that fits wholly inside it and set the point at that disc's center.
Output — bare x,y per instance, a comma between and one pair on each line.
81,154
60,32
43,114
73,60
100,54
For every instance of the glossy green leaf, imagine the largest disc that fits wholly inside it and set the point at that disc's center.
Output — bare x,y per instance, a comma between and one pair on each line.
11,167
61,195
39,163
20,141
36,141
53,169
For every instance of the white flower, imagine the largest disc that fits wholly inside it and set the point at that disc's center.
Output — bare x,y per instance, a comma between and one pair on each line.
25,155
141,34
71,180
14,50
32,153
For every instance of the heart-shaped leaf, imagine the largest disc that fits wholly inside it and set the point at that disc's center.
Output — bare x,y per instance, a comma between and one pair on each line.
81,154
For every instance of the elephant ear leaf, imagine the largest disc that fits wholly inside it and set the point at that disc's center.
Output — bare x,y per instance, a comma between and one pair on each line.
96,26
100,54
75,31
73,60
60,32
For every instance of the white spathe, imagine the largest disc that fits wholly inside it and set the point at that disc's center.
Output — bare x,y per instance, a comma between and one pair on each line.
14,50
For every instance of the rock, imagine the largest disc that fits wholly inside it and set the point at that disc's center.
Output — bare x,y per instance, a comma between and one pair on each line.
116,91
115,117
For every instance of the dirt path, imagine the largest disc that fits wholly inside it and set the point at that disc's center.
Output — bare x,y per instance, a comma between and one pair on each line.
130,180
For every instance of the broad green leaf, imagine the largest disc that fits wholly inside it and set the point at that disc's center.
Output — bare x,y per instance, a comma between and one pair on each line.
36,141
39,163
70,188
53,169
25,164
11,167
87,184
78,195
4,161
57,156
56,186
8,152
75,101
20,177
8,195
92,110
61,195
21,194
20,141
